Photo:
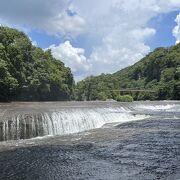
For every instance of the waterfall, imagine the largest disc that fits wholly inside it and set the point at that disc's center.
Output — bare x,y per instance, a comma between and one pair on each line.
25,125
164,107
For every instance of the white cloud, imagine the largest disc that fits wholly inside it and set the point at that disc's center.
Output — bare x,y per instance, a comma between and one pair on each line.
121,26
176,30
72,57
34,43
64,24
119,51
50,16
123,29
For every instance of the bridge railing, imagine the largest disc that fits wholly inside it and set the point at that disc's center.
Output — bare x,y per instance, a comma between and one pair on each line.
133,90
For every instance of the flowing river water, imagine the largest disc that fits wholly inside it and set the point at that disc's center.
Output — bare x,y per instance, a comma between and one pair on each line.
90,140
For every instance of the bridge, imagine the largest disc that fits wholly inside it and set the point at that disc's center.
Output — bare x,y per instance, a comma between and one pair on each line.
134,90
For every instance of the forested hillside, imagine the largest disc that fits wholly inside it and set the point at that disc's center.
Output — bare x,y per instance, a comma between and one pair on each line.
159,72
30,73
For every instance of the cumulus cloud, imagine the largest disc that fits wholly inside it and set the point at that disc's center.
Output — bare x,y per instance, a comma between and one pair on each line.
34,43
121,27
176,30
72,57
118,51
50,16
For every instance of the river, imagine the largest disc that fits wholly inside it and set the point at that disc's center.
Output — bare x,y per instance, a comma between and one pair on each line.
90,140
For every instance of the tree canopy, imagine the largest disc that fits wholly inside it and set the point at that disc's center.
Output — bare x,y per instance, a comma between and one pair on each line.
159,71
30,73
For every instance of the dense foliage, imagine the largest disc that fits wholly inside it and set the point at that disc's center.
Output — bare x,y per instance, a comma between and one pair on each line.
125,98
159,72
97,88
30,73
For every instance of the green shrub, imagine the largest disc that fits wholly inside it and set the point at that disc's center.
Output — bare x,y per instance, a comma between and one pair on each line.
125,98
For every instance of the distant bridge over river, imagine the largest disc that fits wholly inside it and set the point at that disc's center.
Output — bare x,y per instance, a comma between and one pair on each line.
134,90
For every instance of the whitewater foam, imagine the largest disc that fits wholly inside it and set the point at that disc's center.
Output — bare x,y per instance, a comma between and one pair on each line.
66,121
166,107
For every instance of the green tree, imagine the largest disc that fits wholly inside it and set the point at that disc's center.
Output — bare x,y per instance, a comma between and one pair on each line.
30,73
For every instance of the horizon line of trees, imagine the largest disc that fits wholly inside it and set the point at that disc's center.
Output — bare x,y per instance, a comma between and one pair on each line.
159,71
28,73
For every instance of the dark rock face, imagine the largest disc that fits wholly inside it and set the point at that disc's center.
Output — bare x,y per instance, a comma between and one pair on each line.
141,150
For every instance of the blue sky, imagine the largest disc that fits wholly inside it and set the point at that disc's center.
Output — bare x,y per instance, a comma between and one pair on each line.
164,25
95,36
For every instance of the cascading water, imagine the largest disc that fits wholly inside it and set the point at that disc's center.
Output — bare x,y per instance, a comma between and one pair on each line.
28,120
144,149
166,107
25,125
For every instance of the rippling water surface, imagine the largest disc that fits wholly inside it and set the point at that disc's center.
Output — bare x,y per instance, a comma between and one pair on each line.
90,140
